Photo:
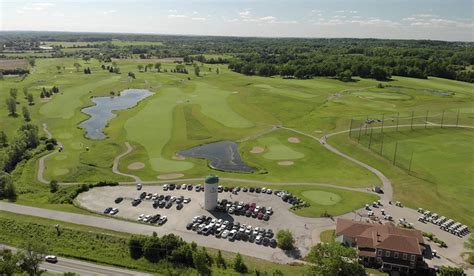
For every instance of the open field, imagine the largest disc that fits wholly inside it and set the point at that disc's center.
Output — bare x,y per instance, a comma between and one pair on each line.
11,64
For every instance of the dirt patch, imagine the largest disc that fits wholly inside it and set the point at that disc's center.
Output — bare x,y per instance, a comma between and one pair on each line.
12,64
235,92
136,166
257,150
170,176
286,163
294,140
178,157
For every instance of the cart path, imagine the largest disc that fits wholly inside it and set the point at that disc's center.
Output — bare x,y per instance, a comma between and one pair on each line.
117,161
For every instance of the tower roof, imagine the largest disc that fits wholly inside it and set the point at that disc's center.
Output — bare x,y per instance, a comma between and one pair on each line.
211,179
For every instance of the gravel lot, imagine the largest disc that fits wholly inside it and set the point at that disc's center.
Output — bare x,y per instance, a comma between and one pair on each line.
306,230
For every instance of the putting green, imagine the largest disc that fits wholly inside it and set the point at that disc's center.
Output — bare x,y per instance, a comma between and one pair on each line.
277,150
383,95
322,197
65,135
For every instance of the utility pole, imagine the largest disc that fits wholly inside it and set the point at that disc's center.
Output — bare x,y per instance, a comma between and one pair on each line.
370,139
381,146
457,119
412,117
366,120
395,153
360,130
442,119
426,118
411,160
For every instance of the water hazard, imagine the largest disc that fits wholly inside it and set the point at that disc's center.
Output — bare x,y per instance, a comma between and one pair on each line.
102,111
223,155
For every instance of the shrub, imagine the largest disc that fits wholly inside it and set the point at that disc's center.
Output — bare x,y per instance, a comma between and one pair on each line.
285,240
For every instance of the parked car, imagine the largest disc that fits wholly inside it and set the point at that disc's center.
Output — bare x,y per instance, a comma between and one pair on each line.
140,217
114,211
107,210
118,200
163,220
139,186
135,202
165,187
143,195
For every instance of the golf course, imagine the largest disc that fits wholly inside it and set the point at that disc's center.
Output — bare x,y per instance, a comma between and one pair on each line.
274,121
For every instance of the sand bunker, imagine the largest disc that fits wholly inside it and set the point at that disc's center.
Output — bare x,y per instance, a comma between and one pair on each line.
136,166
178,157
170,175
257,150
294,140
235,92
286,163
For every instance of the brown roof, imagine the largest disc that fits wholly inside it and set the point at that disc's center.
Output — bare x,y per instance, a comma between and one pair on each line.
386,236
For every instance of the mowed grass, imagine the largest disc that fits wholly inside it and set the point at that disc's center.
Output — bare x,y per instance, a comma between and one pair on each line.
442,168
106,246
321,197
276,150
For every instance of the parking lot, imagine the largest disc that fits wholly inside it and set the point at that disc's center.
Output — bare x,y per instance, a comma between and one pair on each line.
306,230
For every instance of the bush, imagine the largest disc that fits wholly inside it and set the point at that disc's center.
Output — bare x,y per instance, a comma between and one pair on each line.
239,264
285,240
53,186
451,271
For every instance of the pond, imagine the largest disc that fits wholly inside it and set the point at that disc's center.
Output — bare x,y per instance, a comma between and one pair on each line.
223,155
102,111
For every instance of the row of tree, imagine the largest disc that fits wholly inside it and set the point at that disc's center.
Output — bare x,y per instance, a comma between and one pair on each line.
25,261
20,147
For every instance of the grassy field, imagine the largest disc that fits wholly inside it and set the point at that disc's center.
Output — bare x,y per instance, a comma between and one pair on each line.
327,235
441,172
105,246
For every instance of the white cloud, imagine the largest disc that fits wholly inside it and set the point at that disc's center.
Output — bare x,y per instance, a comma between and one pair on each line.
172,11
198,18
109,12
347,11
267,18
177,16
425,15
35,7
244,14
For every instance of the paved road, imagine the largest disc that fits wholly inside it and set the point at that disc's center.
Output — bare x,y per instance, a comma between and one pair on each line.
117,160
80,267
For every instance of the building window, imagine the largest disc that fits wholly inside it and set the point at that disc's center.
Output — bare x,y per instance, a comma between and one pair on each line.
395,255
405,256
413,258
379,252
387,253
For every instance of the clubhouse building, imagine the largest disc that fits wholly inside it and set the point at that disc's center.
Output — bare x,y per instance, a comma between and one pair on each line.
383,246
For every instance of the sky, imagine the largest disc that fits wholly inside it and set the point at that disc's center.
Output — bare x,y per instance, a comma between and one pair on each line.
451,20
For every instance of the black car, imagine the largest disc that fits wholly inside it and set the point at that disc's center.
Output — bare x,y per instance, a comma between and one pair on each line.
237,189
167,197
248,213
107,210
168,205
161,204
172,186
156,203
258,190
245,189
189,226
118,200
251,189
178,187
143,195
266,241
226,189
135,202
190,187
179,206
273,243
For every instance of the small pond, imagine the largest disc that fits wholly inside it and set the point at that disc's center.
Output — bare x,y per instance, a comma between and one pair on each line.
223,155
102,111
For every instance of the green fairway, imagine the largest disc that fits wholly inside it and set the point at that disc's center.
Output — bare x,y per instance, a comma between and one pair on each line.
276,150
382,95
321,197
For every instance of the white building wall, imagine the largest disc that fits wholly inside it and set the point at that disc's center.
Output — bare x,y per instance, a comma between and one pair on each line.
210,196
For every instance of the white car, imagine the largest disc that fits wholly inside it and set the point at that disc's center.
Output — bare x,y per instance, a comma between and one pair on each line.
258,239
162,220
140,217
186,200
165,187
183,186
146,218
114,211
139,186
51,259
225,234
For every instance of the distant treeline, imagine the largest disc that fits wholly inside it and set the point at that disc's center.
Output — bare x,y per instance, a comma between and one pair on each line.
288,57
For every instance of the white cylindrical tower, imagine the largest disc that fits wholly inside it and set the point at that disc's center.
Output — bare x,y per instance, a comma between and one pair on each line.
210,192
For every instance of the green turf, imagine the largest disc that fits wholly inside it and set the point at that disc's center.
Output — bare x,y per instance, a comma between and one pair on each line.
276,150
321,197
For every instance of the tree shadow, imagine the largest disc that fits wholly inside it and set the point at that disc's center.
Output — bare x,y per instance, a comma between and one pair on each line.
294,253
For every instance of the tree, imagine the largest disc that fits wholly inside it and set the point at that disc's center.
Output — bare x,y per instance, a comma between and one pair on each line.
78,66
3,139
33,255
345,75
9,261
5,184
239,264
158,66
149,66
379,73
220,261
11,106
451,271
131,75
285,240
86,59
217,70
333,259
32,62
152,249
140,67
135,245
183,255
26,114
200,262
30,98
197,71
53,186
14,93
58,68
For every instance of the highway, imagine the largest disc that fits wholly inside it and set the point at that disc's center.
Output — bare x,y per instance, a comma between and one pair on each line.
80,267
